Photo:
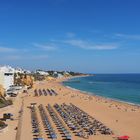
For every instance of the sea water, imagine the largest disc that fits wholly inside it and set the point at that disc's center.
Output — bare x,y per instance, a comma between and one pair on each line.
122,87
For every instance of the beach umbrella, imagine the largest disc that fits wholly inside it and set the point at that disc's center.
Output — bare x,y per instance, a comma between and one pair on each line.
123,137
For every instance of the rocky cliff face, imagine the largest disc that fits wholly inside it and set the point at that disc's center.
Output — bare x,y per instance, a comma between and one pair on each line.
27,80
23,79
2,91
3,101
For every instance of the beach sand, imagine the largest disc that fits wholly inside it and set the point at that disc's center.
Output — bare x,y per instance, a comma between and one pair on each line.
121,118
9,133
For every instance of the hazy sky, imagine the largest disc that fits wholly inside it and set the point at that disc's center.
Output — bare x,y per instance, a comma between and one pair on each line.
101,36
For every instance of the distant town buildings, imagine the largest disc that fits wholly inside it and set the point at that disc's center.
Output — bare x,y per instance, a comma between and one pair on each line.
21,71
57,75
7,75
18,70
42,72
19,77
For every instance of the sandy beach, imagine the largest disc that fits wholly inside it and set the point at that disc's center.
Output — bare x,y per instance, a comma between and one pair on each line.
121,118
70,70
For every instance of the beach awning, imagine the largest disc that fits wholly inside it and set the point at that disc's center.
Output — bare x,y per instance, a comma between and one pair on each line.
123,137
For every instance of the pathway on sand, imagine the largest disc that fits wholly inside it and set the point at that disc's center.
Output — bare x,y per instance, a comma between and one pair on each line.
10,132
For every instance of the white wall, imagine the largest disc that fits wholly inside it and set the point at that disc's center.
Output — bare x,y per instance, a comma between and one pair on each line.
8,80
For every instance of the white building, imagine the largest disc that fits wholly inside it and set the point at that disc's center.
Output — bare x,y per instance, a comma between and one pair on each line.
57,75
21,71
18,70
41,72
6,76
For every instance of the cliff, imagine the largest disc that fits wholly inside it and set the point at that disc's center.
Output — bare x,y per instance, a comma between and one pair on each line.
3,101
24,80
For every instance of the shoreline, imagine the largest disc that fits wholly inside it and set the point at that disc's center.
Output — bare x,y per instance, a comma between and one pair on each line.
95,95
104,109
121,118
106,98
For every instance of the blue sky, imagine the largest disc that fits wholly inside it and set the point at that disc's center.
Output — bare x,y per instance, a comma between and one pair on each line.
101,36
